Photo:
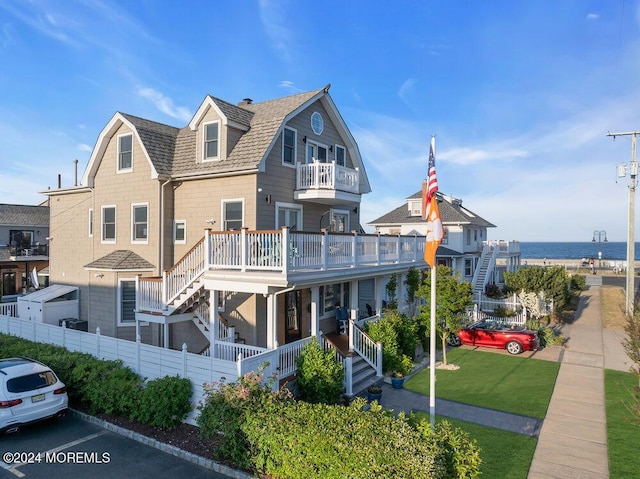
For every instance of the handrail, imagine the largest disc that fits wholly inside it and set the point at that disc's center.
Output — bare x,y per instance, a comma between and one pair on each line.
367,348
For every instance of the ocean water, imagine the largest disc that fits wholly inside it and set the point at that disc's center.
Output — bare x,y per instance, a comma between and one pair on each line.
611,250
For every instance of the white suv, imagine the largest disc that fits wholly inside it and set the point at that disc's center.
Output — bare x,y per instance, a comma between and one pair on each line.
29,391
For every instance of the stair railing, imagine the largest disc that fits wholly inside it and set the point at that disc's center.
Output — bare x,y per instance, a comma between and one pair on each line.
182,274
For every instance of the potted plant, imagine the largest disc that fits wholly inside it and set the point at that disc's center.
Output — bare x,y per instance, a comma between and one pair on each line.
404,367
374,393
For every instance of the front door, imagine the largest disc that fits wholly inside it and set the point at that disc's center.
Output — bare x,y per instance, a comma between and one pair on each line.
8,283
293,316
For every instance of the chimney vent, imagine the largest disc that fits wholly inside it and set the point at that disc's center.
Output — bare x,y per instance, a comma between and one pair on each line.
246,101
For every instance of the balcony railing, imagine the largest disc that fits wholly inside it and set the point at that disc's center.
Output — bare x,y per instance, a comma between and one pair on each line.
328,176
279,251
33,250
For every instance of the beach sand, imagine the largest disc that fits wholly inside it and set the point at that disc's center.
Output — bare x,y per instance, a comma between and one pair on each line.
577,263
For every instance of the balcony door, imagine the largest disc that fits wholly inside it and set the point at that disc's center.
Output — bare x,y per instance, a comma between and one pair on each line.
316,152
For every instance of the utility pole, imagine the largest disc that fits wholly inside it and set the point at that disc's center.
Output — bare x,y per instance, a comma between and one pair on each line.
631,260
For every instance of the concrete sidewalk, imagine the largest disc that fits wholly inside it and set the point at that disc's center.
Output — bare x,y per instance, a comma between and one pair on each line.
573,438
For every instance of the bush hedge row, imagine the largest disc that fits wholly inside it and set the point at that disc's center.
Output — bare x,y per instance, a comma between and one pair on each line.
103,386
271,433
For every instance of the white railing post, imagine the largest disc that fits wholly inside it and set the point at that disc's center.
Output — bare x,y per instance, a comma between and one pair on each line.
184,360
98,342
287,251
243,248
239,365
378,247
164,291
207,248
379,359
348,375
351,327
138,354
354,243
325,248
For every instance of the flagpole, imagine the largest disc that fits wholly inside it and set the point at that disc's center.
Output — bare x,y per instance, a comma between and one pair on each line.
432,352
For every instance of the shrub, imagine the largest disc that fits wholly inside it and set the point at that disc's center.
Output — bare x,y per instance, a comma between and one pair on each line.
292,440
546,334
164,402
578,282
107,386
226,408
320,377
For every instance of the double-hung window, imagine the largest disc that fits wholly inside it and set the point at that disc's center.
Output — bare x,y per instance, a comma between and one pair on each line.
289,146
211,139
232,211
341,156
108,224
139,223
125,153
288,215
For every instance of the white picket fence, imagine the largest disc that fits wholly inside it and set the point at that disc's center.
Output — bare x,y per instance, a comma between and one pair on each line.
148,361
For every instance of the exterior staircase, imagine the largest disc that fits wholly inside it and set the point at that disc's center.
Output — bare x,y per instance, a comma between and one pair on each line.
487,261
363,375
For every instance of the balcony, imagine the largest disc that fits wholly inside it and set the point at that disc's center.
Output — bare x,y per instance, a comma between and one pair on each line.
327,183
21,252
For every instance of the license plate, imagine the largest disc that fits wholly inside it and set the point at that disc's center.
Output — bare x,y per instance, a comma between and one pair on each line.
39,397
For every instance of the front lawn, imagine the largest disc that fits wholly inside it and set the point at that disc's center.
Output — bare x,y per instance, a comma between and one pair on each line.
623,428
512,384
504,454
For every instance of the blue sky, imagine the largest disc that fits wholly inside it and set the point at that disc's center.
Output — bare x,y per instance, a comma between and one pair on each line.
520,94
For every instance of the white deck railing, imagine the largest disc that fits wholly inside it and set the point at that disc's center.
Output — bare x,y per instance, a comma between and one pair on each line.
328,176
9,309
366,347
289,354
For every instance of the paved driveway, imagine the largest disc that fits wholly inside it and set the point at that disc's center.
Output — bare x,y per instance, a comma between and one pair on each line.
73,448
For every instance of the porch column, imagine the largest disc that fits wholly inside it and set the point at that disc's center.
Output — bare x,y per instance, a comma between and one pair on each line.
213,320
166,335
354,309
272,321
378,285
400,292
315,320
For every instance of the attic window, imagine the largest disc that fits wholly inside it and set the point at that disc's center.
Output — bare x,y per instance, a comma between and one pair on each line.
211,139
317,123
125,153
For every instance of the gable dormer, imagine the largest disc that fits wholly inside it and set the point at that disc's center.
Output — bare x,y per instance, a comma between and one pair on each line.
218,126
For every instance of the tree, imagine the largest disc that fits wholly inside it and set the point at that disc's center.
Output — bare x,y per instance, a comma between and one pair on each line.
391,288
412,283
553,282
453,297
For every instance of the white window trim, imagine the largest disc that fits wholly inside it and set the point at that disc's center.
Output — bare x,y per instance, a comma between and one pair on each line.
312,142
118,169
223,211
317,114
341,212
295,147
204,141
90,224
335,154
175,223
119,305
108,241
133,224
289,206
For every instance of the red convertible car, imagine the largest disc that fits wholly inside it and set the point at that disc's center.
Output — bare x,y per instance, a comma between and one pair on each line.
514,339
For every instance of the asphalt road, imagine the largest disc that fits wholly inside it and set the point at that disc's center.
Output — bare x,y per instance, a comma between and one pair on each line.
72,448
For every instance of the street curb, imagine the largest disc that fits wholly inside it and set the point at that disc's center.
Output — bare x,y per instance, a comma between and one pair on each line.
169,449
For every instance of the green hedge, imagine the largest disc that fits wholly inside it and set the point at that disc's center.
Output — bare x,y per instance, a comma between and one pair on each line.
270,433
101,386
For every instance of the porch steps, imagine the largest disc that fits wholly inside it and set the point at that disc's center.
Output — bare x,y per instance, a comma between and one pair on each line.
482,274
363,375
192,297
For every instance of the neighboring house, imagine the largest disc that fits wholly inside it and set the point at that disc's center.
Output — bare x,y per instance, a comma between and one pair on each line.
235,235
465,247
24,234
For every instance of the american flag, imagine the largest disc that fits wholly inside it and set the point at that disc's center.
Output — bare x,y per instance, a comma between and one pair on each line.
432,182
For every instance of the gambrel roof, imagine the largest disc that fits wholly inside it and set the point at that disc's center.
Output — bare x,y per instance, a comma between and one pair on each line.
172,152
451,212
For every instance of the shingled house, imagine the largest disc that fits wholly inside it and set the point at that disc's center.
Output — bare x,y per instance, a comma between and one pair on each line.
465,247
236,235
24,234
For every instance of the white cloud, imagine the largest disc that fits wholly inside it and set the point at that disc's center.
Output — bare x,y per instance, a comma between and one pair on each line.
165,104
274,21
289,86
84,147
592,16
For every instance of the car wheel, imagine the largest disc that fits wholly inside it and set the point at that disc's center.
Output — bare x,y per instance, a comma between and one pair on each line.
454,340
513,347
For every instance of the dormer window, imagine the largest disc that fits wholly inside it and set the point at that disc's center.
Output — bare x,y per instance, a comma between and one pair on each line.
125,153
211,141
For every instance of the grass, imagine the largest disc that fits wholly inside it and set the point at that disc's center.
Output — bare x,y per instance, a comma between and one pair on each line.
504,454
623,428
506,383
612,303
